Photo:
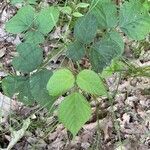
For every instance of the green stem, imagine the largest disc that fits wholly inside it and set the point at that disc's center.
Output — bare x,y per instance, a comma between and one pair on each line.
98,123
110,98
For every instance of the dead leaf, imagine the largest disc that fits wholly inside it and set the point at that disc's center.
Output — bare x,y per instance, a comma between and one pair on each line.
6,106
17,135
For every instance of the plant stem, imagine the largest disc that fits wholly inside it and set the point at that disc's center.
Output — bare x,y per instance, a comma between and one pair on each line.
98,123
110,98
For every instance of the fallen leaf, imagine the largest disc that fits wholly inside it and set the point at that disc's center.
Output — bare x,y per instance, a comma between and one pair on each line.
17,135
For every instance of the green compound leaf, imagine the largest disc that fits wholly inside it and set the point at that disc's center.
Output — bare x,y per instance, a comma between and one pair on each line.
134,20
44,22
76,51
106,13
30,57
90,82
21,21
36,24
85,29
102,54
34,37
38,83
61,81
74,112
18,85
46,19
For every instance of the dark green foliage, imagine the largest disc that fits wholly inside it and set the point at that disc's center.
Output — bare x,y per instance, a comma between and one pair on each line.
115,36
38,83
37,24
18,85
29,57
30,89
105,12
76,51
102,53
134,19
22,21
85,29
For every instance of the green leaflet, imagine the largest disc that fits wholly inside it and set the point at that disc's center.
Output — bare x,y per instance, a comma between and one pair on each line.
43,23
74,112
137,24
25,95
106,13
34,37
38,83
46,19
18,85
85,29
115,36
76,51
83,5
90,82
61,81
102,53
21,21
12,84
77,14
30,57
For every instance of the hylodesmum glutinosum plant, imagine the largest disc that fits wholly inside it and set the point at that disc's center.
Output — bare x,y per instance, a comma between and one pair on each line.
34,26
96,36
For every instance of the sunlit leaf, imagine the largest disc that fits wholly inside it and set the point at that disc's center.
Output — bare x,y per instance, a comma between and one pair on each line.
61,81
90,82
74,112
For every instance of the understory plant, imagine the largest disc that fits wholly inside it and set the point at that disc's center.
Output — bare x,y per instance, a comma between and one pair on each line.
99,27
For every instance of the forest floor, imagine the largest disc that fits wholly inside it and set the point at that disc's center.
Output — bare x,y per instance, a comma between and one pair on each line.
123,125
